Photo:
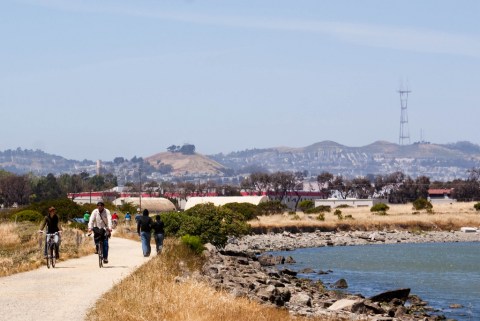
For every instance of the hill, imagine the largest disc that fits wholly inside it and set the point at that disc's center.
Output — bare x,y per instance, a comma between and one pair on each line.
186,164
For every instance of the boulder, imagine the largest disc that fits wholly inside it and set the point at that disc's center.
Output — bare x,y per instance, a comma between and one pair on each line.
340,284
401,294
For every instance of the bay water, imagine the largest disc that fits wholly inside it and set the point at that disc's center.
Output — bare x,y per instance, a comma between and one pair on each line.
440,273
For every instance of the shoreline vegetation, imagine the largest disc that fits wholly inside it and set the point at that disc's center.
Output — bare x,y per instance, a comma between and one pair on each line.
170,286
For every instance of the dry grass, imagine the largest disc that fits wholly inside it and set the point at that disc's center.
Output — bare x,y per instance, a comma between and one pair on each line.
21,247
444,217
151,293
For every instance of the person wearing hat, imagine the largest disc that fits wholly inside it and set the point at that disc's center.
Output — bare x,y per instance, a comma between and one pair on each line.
52,223
86,217
144,227
101,219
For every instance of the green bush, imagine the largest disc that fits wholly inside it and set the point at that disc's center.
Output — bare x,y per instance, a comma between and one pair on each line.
344,206
306,205
271,207
319,209
249,211
172,222
213,224
338,213
379,207
27,215
477,206
422,204
321,217
66,208
193,242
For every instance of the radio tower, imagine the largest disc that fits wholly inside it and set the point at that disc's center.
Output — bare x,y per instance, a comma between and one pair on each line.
404,136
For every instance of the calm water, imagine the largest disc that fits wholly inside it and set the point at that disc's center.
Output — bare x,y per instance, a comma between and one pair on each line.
441,274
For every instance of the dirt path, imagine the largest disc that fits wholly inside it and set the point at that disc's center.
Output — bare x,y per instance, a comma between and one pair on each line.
69,290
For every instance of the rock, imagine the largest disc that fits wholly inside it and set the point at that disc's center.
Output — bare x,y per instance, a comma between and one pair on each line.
342,304
340,284
290,260
288,272
270,260
456,306
306,270
401,294
301,299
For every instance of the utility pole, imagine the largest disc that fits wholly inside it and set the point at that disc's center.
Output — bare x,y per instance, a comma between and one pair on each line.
404,136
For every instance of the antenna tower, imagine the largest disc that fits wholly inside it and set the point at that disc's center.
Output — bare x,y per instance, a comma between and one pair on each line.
404,136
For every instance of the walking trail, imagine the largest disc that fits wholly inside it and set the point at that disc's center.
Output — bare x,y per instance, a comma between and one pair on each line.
71,288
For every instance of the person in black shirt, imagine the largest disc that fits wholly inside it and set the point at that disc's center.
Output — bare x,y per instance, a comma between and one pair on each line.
53,226
158,233
144,227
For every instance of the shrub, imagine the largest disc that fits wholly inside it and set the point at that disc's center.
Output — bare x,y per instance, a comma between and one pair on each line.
379,208
296,217
349,217
172,222
422,204
27,215
193,242
344,206
249,211
212,224
321,217
338,213
477,206
66,208
306,205
271,207
319,209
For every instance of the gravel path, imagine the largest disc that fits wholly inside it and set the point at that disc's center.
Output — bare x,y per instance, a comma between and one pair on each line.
70,289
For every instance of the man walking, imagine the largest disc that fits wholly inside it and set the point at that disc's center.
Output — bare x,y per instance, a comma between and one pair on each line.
144,227
158,233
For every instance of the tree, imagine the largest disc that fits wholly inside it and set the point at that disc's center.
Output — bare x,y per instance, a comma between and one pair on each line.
324,181
48,188
14,189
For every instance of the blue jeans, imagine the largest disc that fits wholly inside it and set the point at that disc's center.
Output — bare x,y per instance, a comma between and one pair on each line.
158,242
146,248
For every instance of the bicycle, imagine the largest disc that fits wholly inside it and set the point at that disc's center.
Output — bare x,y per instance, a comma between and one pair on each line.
52,248
99,246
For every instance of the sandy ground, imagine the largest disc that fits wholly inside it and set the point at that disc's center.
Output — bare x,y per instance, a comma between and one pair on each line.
70,289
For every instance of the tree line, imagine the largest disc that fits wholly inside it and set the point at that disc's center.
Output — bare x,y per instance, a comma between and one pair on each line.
396,187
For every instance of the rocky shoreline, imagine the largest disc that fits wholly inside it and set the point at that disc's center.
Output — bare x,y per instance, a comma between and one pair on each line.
243,269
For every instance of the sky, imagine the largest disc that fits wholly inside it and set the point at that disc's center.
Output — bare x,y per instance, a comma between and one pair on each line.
115,78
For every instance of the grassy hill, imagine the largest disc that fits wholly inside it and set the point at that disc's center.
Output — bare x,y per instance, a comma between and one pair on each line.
186,164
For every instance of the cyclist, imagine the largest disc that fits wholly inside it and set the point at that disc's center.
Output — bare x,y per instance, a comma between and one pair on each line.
53,225
101,219
114,219
86,217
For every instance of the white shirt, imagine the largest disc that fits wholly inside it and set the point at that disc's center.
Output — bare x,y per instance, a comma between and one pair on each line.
99,220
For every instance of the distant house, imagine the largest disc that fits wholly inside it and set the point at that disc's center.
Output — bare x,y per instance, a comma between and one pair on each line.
222,200
353,202
440,195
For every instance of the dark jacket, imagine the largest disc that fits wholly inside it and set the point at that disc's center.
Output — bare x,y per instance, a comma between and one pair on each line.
51,223
144,224
158,227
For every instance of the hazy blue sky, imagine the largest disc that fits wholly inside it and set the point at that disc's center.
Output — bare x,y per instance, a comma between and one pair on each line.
99,79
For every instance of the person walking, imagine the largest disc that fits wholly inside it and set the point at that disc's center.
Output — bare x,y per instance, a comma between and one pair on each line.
53,225
101,219
158,233
144,227
128,219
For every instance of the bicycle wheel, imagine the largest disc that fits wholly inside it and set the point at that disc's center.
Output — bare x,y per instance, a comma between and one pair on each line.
53,254
48,254
100,254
